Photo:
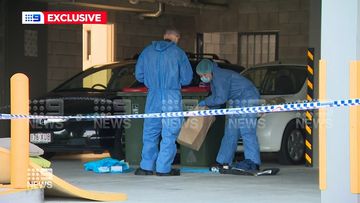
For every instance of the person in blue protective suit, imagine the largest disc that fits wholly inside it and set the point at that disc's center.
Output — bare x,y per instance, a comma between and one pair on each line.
229,86
163,67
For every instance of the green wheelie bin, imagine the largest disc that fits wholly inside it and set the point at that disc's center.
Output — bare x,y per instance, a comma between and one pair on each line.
135,99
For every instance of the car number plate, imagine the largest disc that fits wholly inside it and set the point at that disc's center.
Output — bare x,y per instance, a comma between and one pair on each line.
40,137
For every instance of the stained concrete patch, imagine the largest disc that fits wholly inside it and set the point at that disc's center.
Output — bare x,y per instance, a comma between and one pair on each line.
293,183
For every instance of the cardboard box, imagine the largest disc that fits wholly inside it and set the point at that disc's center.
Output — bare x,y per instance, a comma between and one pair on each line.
194,130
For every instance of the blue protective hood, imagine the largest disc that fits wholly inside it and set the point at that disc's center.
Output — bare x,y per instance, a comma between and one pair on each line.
163,65
205,66
162,45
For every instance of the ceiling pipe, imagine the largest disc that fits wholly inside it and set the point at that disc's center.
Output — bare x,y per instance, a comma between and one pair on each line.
134,1
138,1
107,7
210,3
193,4
154,14
143,13
197,4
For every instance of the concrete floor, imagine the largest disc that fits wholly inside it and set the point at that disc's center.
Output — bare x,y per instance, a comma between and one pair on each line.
292,184
21,196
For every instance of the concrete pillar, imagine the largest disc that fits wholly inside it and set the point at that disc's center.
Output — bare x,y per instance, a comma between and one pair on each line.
315,42
340,35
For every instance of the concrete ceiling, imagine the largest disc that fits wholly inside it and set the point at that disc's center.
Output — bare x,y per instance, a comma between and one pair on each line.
148,8
147,4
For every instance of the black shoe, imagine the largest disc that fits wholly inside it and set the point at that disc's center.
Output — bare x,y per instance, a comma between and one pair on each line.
173,172
247,165
217,166
142,172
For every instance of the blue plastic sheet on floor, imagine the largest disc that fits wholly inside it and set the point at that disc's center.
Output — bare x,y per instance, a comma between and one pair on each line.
194,170
107,165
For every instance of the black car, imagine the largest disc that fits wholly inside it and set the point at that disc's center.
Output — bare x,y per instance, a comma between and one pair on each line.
92,92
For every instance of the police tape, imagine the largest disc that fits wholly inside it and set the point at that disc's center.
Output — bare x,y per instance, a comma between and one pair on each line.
211,112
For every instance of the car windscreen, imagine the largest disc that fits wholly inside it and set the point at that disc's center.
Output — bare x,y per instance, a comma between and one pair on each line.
277,80
100,79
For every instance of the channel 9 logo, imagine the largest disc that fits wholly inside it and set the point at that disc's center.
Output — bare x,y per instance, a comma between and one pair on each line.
64,17
32,17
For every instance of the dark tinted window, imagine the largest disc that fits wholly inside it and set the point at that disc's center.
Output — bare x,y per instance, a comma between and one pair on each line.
232,67
112,77
279,80
123,77
92,79
256,76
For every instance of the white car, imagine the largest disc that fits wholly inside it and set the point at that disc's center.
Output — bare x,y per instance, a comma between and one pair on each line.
281,132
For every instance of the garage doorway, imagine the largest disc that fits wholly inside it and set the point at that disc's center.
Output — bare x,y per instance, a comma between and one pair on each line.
98,44
98,48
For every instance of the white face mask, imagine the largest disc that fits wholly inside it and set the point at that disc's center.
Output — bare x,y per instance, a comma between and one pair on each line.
205,79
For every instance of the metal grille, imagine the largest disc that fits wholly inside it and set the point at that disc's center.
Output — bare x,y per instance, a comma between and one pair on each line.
258,48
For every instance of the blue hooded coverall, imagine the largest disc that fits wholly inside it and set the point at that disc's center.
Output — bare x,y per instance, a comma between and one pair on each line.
163,67
227,85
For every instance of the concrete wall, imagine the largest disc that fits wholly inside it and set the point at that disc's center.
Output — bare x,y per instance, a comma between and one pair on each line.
289,17
339,37
132,34
64,53
2,53
314,41
22,50
26,46
3,100
224,44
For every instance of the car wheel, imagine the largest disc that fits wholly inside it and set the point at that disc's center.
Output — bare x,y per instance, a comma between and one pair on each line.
117,151
293,145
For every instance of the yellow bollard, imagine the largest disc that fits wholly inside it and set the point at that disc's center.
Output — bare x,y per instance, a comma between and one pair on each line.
19,154
354,129
322,128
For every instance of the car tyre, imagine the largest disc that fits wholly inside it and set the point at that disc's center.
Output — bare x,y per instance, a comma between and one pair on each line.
293,145
117,151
